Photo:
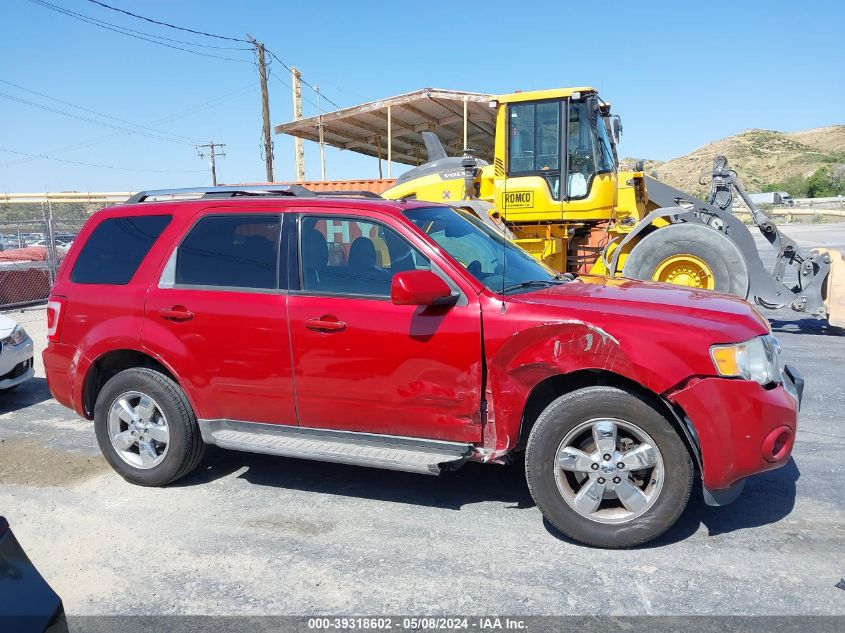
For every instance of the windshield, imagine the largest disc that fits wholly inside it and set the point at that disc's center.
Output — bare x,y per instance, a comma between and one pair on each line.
493,260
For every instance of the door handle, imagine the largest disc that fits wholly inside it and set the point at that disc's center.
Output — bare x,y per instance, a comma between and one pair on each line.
176,313
325,325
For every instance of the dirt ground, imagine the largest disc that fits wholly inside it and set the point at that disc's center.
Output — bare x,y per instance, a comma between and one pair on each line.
250,534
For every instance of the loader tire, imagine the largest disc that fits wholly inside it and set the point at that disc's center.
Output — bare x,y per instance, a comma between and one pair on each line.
715,262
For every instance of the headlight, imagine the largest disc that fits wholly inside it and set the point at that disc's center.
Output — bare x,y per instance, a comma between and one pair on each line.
17,336
757,359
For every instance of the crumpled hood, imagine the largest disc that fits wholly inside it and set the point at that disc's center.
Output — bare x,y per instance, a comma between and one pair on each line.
6,326
727,318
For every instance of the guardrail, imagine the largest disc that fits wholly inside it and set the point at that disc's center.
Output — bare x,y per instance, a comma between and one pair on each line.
91,197
791,211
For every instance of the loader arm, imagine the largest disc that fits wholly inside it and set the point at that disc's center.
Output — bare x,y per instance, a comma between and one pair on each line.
812,292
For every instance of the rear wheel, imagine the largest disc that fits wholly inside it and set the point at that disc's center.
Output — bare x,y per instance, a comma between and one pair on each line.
607,469
146,428
692,255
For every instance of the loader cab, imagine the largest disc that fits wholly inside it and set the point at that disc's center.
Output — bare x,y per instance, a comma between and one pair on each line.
554,150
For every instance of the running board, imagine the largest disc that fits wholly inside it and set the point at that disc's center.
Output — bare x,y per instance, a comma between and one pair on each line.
392,452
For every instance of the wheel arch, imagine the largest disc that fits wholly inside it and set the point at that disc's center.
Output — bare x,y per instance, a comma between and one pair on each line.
548,390
111,363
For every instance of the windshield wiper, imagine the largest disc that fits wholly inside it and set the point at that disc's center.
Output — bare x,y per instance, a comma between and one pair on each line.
533,283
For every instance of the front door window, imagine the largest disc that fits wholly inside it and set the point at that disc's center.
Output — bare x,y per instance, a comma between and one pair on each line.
354,257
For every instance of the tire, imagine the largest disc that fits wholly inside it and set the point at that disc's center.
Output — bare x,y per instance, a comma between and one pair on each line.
711,246
667,485
184,448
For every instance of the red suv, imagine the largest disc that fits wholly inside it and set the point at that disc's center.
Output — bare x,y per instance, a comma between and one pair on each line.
408,336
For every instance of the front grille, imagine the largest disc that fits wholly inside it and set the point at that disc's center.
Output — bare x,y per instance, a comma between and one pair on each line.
18,370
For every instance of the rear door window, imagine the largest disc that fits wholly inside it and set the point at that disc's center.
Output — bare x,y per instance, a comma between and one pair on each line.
231,251
116,248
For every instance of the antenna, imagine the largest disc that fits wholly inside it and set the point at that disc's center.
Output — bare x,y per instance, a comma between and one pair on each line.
504,245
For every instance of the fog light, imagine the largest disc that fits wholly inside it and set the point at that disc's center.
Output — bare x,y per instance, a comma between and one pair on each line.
777,444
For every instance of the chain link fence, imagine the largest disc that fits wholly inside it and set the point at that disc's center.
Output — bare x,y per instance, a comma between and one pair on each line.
33,242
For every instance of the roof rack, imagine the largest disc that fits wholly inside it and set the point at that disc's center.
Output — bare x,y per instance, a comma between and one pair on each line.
341,193
222,192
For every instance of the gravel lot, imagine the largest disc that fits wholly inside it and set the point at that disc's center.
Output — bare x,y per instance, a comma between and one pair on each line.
248,534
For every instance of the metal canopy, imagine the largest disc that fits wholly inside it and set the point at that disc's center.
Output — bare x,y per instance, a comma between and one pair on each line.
391,128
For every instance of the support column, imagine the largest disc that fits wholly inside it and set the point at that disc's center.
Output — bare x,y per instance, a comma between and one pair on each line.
465,122
389,144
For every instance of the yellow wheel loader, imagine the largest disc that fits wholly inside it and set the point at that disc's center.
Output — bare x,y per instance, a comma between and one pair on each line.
555,188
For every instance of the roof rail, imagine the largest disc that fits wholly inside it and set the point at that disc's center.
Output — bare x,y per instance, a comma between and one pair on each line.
340,193
223,192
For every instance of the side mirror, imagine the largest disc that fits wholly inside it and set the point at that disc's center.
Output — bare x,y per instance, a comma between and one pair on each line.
617,129
420,288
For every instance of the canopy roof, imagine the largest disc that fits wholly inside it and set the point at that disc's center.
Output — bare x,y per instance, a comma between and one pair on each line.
364,128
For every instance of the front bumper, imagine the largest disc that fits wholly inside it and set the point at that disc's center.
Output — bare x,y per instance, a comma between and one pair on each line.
16,364
741,427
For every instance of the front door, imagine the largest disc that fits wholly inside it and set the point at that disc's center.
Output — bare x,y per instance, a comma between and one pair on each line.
362,363
219,312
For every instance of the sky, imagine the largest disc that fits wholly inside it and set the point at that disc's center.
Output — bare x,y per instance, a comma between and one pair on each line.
679,73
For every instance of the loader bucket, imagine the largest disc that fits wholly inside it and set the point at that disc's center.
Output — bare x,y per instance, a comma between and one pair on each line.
833,290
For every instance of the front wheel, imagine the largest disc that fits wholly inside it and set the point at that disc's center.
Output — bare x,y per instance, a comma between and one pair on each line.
607,469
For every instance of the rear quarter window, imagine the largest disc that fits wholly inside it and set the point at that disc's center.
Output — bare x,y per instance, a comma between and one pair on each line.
116,248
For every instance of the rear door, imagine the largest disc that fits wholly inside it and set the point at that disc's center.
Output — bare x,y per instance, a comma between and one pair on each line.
365,364
217,311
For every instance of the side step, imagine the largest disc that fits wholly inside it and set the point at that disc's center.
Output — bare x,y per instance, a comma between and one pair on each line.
393,452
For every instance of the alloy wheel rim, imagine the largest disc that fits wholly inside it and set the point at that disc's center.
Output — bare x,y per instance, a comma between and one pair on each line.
609,470
138,430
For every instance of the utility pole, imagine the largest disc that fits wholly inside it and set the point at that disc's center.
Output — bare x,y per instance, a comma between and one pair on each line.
320,131
299,149
213,153
265,106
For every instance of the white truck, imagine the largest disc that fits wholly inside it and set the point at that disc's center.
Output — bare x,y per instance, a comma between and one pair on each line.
772,197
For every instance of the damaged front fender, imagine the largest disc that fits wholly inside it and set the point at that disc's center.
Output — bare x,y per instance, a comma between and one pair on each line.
525,345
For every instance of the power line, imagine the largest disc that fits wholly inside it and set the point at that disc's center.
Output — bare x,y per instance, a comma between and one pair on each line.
172,26
106,116
76,162
276,57
89,120
158,37
288,86
173,117
196,32
170,39
122,31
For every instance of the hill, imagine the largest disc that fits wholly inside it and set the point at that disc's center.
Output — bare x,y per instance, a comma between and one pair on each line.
760,157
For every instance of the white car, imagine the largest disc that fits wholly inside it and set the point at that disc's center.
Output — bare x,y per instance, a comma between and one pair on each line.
16,362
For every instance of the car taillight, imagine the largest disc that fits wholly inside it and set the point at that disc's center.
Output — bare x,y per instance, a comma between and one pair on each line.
55,313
